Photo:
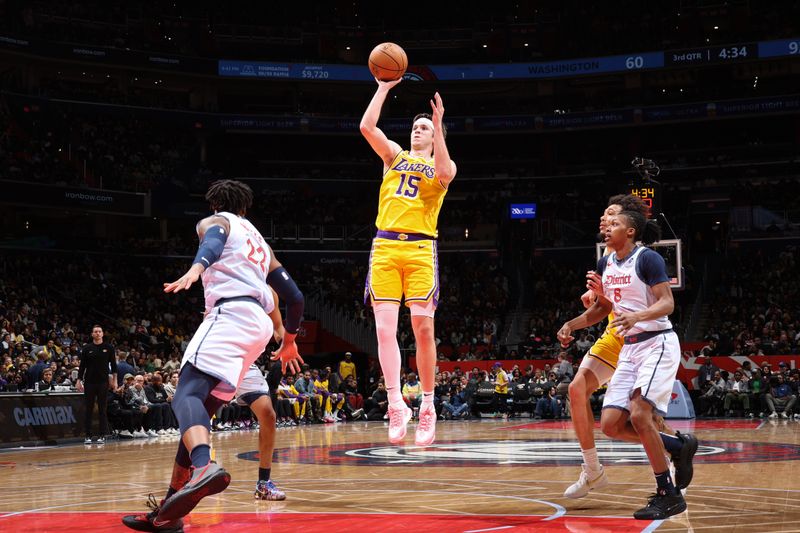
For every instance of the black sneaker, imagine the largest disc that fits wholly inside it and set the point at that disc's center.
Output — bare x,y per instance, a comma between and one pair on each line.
684,470
144,522
661,506
205,481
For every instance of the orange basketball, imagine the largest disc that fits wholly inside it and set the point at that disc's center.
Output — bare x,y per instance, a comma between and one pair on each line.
388,62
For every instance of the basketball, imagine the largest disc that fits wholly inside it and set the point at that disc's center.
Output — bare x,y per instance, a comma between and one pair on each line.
388,62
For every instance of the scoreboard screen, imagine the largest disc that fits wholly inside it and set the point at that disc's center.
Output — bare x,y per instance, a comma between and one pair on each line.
650,195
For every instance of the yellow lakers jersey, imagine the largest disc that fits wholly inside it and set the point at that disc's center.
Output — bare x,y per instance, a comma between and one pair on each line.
410,197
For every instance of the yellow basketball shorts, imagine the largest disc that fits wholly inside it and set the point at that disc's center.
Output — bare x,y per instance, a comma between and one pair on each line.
607,349
399,267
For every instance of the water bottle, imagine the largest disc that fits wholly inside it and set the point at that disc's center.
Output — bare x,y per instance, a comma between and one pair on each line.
36,386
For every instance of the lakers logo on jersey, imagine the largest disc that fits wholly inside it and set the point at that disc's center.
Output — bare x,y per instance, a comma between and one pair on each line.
410,196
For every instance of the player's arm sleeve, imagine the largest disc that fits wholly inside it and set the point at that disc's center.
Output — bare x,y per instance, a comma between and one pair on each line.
601,265
211,246
280,280
112,360
651,268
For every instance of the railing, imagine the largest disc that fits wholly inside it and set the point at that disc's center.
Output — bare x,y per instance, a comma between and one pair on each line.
342,325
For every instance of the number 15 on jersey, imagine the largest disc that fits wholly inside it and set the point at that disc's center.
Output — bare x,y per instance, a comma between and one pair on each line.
409,186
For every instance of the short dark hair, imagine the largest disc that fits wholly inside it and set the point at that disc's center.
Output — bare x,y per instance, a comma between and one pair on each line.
429,117
628,202
230,195
97,326
647,231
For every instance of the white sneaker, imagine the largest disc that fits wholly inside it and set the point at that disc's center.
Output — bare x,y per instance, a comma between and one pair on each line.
161,432
773,415
139,434
585,483
151,433
398,419
174,431
126,434
783,414
426,429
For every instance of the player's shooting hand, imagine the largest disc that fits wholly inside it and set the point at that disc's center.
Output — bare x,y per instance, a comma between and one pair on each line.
623,322
386,85
288,355
565,335
438,111
184,282
594,283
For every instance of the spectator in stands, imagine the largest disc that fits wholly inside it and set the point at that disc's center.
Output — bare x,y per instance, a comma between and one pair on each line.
173,363
122,417
332,401
711,398
379,403
550,405
780,397
457,405
46,382
137,398
412,391
172,384
160,401
350,389
298,402
123,367
347,367
706,373
34,373
305,387
737,393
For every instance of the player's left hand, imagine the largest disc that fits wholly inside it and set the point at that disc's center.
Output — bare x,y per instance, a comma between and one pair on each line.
438,111
288,355
565,336
623,322
185,281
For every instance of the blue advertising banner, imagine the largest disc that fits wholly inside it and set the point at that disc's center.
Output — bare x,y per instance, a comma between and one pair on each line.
527,211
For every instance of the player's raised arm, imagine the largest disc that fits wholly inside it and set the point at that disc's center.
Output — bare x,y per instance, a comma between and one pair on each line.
213,232
386,149
444,166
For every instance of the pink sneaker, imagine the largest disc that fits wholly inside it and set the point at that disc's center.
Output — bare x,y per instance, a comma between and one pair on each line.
426,429
398,418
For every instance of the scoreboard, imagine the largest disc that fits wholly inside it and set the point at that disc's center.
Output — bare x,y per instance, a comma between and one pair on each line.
651,196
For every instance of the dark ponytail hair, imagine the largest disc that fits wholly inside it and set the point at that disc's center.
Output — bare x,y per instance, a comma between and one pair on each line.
647,231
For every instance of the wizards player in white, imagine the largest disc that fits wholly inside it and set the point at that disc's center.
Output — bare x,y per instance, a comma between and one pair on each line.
632,282
236,264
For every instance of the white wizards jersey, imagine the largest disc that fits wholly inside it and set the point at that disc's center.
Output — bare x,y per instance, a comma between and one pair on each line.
242,268
629,293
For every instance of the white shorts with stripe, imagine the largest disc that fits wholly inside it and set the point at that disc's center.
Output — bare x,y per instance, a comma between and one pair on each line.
252,386
649,365
232,336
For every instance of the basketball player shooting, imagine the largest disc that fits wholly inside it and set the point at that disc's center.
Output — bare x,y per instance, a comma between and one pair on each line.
403,261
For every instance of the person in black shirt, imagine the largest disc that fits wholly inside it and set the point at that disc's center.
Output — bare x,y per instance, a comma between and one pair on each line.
46,383
95,378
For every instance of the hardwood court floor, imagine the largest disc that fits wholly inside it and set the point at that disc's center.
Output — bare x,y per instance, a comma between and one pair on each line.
478,476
